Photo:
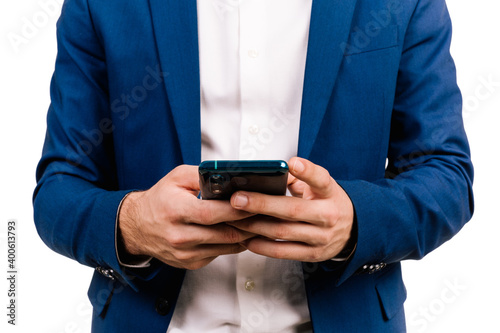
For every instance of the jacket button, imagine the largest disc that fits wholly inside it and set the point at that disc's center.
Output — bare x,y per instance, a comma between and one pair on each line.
106,272
162,306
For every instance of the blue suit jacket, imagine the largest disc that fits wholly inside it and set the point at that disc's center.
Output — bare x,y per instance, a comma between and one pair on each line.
379,86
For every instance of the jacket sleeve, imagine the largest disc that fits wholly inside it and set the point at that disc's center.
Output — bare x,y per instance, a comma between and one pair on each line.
426,196
76,198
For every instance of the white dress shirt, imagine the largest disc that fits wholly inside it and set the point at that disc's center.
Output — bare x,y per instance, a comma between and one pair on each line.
252,62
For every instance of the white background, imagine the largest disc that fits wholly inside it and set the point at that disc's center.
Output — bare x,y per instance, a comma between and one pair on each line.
454,289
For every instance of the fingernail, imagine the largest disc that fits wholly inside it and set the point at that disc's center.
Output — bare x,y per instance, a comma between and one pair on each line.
298,166
240,200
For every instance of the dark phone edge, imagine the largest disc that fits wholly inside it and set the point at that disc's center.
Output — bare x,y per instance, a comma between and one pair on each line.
243,165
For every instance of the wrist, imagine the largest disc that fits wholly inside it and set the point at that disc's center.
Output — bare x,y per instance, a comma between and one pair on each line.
350,247
129,225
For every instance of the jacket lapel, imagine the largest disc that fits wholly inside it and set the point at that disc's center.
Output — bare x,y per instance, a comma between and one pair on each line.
176,32
329,28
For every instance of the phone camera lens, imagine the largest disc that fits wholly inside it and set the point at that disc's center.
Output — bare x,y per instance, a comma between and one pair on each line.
216,184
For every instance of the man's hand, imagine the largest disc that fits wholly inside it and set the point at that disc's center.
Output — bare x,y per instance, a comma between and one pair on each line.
314,225
170,223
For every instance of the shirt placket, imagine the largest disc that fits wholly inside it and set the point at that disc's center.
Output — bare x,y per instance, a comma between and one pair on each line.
254,89
250,290
254,99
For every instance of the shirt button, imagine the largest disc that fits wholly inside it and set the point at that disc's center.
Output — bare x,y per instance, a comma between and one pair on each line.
253,53
254,129
249,285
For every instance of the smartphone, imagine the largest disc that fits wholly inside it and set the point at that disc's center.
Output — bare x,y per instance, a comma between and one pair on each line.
221,178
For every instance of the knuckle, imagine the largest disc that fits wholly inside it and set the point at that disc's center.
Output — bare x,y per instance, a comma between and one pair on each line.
173,174
188,258
235,248
328,180
322,239
279,253
204,214
295,212
258,203
328,216
179,173
177,240
315,255
282,233
163,216
180,168
231,235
